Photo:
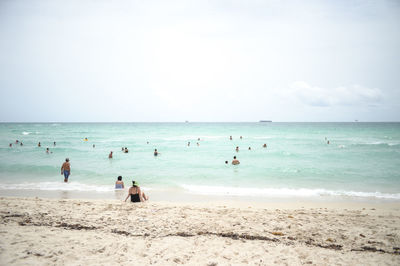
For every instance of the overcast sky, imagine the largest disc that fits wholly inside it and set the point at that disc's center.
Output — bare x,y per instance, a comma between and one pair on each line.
183,60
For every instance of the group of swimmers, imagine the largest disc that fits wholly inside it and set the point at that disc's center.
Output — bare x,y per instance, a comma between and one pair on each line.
134,192
235,161
39,145
16,142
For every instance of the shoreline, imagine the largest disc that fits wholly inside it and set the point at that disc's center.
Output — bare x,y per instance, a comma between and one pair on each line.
51,231
182,200
178,196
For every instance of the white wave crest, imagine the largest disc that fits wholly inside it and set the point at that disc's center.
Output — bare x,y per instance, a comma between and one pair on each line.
192,138
26,133
283,192
61,186
262,137
71,186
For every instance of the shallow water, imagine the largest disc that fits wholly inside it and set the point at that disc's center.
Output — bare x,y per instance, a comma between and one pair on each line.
362,159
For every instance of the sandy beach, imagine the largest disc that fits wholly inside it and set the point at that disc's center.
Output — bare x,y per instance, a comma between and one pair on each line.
38,231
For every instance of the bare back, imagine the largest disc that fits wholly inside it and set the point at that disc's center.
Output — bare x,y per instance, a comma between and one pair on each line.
134,190
66,166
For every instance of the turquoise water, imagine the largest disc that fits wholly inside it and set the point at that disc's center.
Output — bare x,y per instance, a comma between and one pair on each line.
362,159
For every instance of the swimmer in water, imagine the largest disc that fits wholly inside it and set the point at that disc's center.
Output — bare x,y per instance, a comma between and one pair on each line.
265,145
230,137
10,145
126,150
110,155
237,149
155,152
188,144
119,184
47,150
249,148
54,143
235,161
39,145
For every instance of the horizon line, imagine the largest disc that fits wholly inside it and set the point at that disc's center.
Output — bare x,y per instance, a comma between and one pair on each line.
185,122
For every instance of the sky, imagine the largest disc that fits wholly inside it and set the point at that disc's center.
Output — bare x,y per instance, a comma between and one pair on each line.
204,61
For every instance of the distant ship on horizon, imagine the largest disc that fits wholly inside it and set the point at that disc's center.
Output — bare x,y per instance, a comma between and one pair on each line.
262,121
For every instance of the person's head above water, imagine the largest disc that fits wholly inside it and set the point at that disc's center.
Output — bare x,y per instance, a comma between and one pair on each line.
119,178
234,157
67,159
134,183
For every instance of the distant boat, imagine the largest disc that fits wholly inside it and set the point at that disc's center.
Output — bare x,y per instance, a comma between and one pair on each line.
263,121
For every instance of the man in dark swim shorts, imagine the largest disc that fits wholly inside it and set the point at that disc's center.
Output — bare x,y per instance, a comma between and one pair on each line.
66,169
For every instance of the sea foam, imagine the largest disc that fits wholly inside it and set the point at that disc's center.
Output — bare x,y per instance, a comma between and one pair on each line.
71,186
283,192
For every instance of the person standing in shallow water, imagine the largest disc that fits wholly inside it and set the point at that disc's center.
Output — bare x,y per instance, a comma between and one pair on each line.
235,161
110,155
155,152
66,170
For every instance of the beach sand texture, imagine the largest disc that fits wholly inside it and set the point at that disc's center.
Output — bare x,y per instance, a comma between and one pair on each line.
36,231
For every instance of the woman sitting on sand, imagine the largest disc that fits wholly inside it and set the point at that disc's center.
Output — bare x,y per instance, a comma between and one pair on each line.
119,184
136,194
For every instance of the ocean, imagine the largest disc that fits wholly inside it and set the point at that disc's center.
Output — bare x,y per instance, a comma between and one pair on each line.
361,161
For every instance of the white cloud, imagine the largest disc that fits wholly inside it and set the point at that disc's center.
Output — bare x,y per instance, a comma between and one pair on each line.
342,95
